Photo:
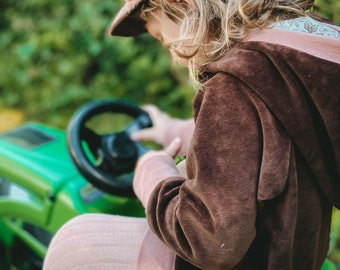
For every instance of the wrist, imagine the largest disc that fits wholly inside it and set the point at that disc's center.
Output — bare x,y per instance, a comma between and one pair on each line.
150,171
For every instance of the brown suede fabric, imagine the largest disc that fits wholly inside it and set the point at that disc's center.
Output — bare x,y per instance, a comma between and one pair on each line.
263,166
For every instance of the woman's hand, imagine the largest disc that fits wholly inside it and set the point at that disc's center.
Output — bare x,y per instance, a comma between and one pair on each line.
158,132
171,151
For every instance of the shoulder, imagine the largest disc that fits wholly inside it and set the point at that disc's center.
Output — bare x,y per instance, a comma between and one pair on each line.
272,45
258,63
311,43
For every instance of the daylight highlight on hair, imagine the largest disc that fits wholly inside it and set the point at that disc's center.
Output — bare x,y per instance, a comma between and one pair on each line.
209,28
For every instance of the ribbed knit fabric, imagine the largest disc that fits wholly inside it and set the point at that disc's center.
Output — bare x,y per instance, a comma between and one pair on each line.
96,241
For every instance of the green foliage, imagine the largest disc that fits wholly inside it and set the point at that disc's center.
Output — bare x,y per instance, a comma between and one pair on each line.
56,55
330,9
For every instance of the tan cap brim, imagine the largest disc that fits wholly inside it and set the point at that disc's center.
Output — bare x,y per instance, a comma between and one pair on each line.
125,23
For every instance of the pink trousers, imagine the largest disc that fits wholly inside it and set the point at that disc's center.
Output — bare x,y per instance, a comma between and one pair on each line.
100,242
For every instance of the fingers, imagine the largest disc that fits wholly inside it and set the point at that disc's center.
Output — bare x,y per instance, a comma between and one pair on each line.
170,151
144,134
160,124
155,113
173,149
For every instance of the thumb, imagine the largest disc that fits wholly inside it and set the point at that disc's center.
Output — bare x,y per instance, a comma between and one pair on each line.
174,147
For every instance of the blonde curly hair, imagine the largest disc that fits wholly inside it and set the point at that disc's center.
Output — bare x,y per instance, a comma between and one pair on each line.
213,27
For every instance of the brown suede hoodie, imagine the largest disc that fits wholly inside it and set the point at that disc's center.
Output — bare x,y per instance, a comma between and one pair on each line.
263,167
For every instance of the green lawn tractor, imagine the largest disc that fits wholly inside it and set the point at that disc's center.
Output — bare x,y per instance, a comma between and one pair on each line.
48,176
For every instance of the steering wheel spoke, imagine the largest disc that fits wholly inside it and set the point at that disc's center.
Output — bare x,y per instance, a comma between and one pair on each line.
89,135
142,121
92,140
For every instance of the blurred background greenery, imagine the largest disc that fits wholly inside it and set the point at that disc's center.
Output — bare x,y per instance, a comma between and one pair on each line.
56,55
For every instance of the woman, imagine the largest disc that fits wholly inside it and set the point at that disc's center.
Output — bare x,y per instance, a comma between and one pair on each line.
262,153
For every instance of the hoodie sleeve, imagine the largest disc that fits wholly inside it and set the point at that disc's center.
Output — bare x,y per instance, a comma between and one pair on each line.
209,218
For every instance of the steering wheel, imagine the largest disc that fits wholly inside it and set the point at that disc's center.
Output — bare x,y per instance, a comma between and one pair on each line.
107,160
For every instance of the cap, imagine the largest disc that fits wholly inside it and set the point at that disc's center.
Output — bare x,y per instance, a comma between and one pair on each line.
125,23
